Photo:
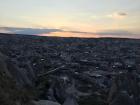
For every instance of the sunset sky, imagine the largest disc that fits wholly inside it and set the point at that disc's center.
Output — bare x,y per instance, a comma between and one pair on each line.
71,18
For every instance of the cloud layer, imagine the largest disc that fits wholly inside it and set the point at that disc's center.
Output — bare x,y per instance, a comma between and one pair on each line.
117,15
29,31
62,33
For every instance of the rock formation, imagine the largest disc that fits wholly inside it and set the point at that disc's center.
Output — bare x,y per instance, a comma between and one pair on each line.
69,71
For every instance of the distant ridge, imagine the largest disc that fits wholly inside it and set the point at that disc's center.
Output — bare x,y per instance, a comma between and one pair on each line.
28,35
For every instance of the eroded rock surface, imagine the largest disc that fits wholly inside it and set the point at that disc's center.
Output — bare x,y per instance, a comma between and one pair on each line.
74,71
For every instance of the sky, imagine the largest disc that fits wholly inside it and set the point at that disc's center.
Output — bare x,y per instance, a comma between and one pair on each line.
71,18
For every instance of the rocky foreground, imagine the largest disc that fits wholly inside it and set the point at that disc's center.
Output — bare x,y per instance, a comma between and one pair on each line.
69,71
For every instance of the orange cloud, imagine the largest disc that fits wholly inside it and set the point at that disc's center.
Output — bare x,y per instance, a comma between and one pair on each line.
71,34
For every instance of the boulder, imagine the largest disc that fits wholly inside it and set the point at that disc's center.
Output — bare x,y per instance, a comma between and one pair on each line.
70,101
45,102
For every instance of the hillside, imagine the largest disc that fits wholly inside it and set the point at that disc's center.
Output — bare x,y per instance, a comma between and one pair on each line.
69,71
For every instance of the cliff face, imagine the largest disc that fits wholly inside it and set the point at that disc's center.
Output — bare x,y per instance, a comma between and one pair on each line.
69,71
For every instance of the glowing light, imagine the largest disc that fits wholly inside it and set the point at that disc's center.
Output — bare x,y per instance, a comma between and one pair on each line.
71,34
